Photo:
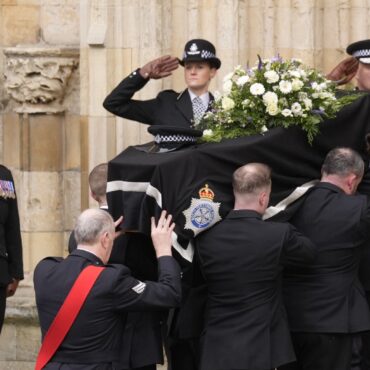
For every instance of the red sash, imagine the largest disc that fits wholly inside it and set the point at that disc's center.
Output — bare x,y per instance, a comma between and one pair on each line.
67,314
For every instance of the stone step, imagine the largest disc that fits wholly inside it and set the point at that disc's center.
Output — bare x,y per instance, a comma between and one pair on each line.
17,365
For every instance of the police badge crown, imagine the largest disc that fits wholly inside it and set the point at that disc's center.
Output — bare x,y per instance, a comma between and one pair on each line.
206,193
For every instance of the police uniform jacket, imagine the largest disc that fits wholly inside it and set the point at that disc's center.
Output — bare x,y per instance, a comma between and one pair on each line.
95,336
326,296
169,108
11,264
242,258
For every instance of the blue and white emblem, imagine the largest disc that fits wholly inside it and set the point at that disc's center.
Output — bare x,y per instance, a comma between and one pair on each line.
203,212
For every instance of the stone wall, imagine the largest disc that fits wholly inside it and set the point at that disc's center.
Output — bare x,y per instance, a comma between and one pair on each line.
41,143
52,137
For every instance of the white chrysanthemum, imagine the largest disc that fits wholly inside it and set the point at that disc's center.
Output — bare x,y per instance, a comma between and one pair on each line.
257,89
228,84
285,86
228,77
207,132
227,103
271,76
272,109
296,109
286,113
242,80
270,98
297,84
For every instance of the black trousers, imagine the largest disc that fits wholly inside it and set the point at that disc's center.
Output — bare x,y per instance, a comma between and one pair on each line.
2,305
183,354
317,351
365,350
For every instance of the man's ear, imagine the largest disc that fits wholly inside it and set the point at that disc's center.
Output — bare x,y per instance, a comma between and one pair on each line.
104,239
352,183
263,199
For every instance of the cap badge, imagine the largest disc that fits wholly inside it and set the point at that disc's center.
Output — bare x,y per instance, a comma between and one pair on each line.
193,49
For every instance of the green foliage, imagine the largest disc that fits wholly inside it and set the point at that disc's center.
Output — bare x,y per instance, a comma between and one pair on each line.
273,93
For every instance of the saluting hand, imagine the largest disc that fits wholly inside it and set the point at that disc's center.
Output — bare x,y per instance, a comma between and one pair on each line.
344,71
160,67
161,235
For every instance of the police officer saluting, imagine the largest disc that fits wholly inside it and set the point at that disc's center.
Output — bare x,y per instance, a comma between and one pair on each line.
169,108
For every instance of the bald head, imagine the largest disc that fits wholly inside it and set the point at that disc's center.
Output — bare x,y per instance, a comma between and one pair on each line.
343,162
344,168
252,187
251,178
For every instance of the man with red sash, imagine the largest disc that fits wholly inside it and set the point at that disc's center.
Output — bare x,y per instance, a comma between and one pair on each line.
93,341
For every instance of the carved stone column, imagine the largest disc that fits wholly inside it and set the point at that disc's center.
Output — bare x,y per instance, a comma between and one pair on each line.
42,144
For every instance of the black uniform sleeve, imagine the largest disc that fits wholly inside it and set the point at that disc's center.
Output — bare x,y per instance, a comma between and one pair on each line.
131,294
13,240
297,248
119,101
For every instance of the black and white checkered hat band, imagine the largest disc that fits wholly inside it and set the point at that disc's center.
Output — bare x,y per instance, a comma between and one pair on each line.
174,139
364,53
205,54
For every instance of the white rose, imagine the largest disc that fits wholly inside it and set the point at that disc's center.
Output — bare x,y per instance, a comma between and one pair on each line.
245,102
271,77
227,103
285,86
264,128
315,86
272,109
296,109
294,74
257,89
297,84
270,98
241,81
286,112
207,132
228,84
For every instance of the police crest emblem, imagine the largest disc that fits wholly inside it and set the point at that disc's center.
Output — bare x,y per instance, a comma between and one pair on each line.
203,212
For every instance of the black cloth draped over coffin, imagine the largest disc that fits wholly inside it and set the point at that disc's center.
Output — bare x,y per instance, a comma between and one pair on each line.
140,184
